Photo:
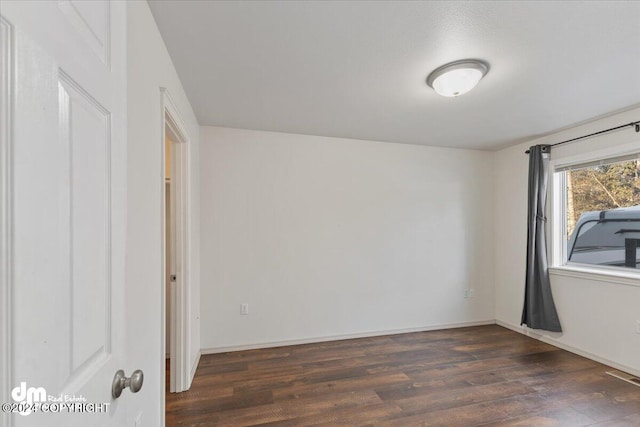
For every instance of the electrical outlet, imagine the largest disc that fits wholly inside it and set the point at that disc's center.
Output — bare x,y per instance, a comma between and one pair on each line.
244,309
637,326
469,293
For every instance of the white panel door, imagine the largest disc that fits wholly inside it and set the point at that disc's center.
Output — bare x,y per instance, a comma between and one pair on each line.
68,165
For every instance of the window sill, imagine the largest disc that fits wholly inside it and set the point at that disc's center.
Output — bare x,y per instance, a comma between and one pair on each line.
601,274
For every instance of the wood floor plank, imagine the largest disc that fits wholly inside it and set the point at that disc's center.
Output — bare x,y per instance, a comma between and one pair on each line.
365,416
485,375
340,385
435,400
304,407
557,418
220,404
435,385
630,421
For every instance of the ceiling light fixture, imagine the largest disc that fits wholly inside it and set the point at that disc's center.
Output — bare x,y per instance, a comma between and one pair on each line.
458,77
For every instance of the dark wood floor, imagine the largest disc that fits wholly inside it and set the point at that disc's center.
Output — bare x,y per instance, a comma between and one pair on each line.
485,375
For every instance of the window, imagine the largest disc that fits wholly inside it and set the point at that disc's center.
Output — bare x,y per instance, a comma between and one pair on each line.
599,212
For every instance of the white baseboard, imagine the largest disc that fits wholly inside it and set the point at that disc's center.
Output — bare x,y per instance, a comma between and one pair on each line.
533,334
226,349
194,367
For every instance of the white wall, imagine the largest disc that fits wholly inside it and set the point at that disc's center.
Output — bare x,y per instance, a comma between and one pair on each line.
149,68
598,317
327,237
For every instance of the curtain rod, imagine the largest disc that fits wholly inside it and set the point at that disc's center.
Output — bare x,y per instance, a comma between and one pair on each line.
636,124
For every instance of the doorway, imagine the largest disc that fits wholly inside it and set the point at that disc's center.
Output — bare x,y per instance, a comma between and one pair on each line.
169,266
175,256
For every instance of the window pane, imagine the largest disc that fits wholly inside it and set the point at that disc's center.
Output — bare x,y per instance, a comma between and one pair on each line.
603,214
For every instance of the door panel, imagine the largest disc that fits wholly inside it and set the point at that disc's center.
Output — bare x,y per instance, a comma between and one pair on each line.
91,20
69,205
85,145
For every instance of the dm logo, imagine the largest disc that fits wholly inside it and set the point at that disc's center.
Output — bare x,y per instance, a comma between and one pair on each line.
29,396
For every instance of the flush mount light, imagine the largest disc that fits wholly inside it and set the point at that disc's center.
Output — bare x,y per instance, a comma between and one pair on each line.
458,77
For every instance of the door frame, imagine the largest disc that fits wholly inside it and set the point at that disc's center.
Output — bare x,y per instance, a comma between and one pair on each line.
6,244
180,217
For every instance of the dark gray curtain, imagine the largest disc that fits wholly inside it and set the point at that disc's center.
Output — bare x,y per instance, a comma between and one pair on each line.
539,311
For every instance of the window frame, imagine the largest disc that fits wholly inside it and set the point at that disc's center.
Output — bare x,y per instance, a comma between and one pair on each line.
556,227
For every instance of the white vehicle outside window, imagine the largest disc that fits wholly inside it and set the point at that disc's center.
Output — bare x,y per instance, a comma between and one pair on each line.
597,213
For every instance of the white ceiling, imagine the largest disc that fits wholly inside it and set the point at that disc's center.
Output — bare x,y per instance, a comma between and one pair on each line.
357,69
